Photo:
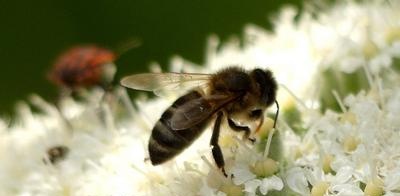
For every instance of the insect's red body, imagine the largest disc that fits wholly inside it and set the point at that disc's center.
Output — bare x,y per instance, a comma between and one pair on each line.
81,66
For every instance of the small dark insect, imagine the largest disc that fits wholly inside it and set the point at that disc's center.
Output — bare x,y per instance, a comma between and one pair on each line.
57,153
227,93
83,66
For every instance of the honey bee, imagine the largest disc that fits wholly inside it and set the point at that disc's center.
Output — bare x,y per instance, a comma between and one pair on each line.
224,94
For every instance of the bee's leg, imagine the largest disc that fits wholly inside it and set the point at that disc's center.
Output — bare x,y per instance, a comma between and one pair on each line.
238,128
216,149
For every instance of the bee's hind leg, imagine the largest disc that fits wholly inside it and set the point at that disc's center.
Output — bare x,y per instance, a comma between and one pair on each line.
216,149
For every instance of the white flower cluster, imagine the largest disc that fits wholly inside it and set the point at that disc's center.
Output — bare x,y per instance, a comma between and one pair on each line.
353,152
98,145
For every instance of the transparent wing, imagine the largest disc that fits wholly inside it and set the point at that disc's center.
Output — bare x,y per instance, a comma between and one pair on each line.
156,81
198,110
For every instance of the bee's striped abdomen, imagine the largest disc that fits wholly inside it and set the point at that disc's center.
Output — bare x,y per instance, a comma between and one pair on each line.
165,143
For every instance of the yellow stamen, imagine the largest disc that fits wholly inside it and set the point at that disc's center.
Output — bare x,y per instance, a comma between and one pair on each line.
320,188
374,188
265,168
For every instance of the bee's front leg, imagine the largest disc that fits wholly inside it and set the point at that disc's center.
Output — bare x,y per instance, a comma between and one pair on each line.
238,128
216,149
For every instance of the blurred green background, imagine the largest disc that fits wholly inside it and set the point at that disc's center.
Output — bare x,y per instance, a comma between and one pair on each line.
33,33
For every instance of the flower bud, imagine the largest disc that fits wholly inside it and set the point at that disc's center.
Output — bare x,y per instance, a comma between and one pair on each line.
265,168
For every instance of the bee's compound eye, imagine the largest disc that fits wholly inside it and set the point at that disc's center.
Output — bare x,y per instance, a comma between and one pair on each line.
256,113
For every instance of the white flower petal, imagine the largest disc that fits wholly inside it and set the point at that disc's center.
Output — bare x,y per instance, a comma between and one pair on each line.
347,190
242,174
252,185
343,175
392,180
271,183
297,181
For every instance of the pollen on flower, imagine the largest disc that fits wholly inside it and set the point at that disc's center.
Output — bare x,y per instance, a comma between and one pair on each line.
374,94
370,49
374,188
392,34
297,153
265,168
326,163
350,143
349,117
320,188
231,189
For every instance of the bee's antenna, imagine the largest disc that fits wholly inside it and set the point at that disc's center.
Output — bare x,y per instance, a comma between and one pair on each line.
277,113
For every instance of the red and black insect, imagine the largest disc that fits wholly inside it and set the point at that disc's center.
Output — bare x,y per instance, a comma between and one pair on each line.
83,66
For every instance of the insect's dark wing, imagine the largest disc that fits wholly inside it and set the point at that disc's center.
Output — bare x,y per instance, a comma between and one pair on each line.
198,110
165,81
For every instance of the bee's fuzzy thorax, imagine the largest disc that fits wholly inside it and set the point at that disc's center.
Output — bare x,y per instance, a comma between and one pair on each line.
230,79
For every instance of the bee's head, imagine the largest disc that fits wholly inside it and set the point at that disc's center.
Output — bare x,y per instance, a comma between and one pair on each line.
266,84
